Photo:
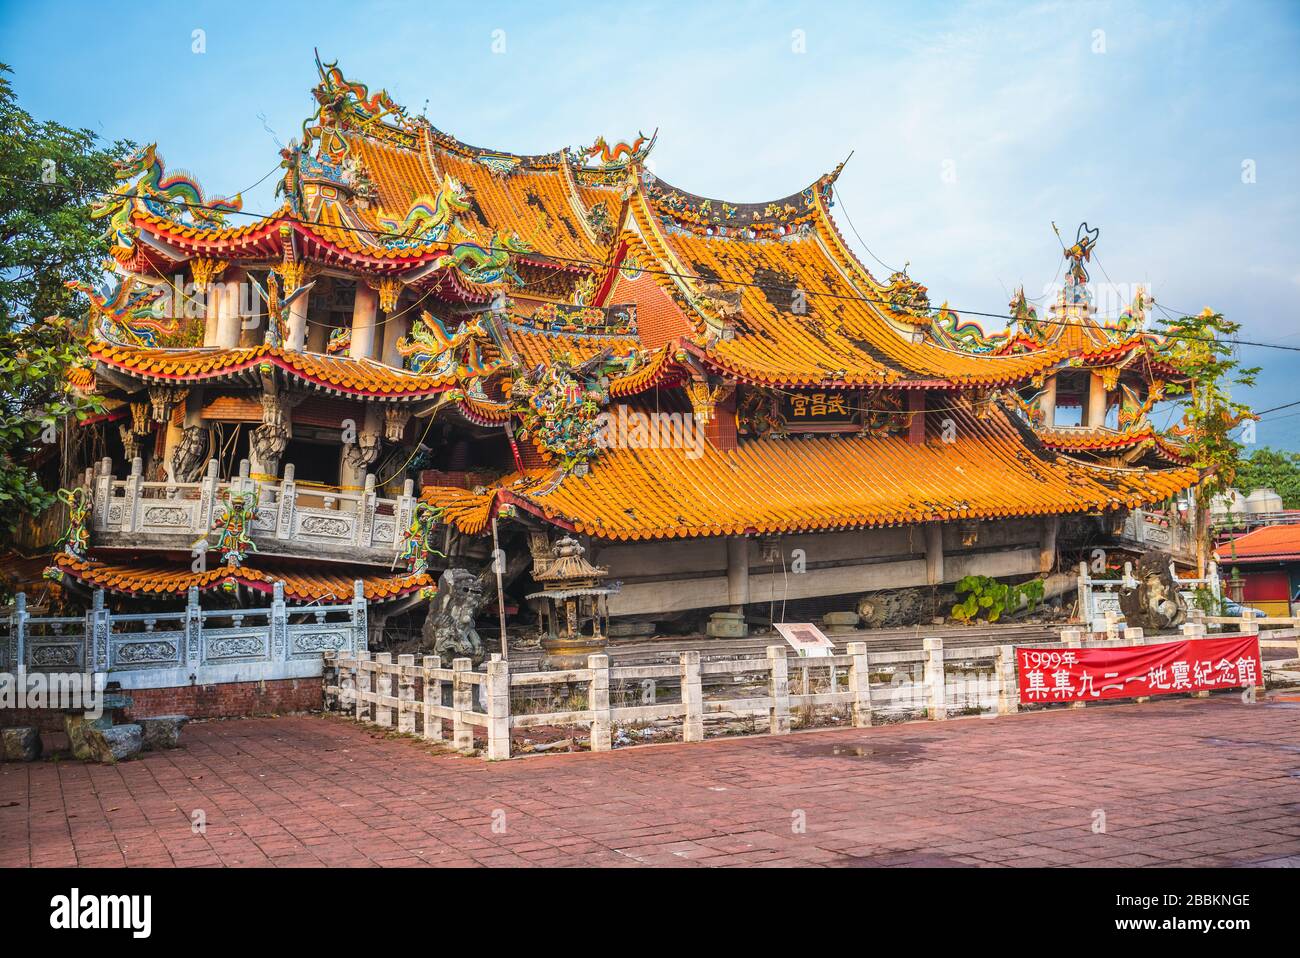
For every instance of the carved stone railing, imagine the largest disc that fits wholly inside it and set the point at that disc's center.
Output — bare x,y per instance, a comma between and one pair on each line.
1160,531
292,518
1099,596
185,646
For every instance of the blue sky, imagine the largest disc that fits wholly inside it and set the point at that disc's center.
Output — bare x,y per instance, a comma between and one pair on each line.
973,126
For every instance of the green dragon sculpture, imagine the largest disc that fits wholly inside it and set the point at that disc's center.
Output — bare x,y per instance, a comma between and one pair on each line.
486,264
430,217
142,180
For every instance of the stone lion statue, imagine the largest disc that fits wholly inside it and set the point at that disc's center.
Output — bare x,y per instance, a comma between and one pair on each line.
449,627
1155,605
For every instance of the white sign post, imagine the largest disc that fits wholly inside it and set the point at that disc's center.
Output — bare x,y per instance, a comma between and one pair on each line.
806,639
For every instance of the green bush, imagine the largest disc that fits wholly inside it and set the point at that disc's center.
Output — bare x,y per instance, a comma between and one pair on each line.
992,598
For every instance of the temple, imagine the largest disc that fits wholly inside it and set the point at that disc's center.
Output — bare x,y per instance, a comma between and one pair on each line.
428,344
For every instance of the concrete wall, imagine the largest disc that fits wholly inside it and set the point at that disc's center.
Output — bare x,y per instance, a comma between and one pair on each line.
677,575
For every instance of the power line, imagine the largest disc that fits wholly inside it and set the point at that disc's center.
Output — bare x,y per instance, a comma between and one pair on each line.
1275,408
840,200
490,247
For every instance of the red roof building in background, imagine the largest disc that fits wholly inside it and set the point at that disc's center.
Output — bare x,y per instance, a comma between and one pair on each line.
1266,562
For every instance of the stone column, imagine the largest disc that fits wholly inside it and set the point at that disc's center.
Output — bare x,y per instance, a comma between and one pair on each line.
211,315
364,310
737,572
297,331
229,321
1096,401
916,422
394,329
318,335
1047,403
358,456
1047,543
933,553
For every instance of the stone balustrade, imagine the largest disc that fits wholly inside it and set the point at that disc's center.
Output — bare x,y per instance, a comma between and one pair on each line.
188,645
866,686
293,518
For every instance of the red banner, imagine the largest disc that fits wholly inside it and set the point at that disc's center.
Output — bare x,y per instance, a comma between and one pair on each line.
1063,674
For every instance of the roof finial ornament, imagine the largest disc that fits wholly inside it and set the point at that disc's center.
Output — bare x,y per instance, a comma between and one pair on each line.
622,155
1076,286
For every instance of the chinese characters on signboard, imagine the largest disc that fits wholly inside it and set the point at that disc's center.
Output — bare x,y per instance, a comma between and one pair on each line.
1087,675
829,408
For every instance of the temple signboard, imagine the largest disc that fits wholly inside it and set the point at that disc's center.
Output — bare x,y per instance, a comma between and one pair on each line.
821,409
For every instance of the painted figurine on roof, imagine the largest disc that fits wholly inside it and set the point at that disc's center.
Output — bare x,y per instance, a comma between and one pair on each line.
142,180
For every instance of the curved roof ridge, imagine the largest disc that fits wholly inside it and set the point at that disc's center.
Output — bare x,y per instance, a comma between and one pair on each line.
437,137
824,180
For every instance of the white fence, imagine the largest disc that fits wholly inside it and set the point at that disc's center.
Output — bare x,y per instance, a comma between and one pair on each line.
867,687
1099,597
358,523
189,645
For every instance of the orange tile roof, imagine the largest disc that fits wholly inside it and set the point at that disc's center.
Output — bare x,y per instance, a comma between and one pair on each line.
826,482
539,200
660,368
156,577
1084,439
1279,543
363,377
81,377
839,337
534,346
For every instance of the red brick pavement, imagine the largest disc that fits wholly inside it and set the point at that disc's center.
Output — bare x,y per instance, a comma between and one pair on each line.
1186,782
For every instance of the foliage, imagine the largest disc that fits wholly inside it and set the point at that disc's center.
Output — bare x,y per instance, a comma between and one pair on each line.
1271,469
48,240
1202,349
992,598
1206,601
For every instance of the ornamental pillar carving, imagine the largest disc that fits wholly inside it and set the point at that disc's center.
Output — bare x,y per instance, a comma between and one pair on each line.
135,430
705,399
163,400
205,270
268,441
389,289
395,420
361,454
187,457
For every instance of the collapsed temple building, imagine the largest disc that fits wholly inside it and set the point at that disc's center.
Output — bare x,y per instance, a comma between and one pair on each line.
428,344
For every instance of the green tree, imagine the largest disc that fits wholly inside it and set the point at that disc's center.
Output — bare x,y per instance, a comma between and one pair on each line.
1202,348
1271,469
49,177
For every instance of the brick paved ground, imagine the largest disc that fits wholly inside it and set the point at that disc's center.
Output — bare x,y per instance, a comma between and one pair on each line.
1189,782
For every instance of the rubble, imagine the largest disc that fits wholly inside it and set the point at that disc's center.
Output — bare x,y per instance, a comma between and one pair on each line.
162,731
22,744
110,745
